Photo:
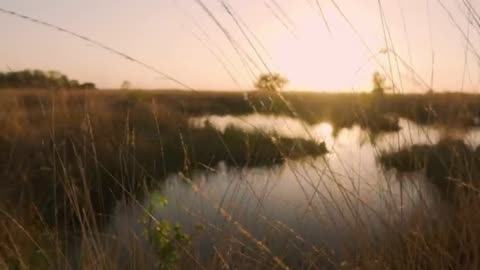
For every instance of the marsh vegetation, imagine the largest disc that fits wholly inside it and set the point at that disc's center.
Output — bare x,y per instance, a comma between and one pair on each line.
102,179
254,178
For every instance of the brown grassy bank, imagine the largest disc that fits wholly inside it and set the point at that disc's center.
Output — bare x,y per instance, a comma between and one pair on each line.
66,158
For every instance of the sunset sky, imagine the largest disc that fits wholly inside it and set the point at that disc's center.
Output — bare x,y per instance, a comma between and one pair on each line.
338,50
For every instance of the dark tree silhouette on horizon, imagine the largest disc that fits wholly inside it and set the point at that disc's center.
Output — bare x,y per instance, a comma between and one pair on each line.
38,79
270,82
378,81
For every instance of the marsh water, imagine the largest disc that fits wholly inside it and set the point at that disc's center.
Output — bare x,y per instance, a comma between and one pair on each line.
330,203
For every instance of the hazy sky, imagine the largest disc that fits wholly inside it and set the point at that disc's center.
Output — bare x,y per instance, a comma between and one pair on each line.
291,37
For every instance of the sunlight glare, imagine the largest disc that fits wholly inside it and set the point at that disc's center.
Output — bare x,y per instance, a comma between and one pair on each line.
323,132
317,60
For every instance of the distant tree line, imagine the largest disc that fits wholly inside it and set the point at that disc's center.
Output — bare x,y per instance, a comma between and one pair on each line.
41,80
273,82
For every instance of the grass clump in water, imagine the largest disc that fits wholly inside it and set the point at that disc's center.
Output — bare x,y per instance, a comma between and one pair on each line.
450,164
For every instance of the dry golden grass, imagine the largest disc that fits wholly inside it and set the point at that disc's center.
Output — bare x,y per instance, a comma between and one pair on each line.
67,158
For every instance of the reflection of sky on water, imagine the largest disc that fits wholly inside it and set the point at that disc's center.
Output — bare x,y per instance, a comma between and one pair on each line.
330,200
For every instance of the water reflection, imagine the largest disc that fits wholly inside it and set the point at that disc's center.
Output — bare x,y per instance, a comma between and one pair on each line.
410,133
337,201
281,126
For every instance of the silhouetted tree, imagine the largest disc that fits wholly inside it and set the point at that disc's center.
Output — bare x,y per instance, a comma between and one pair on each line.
125,85
88,86
270,82
378,81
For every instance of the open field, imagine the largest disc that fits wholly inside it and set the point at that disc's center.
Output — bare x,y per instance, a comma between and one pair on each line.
69,158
